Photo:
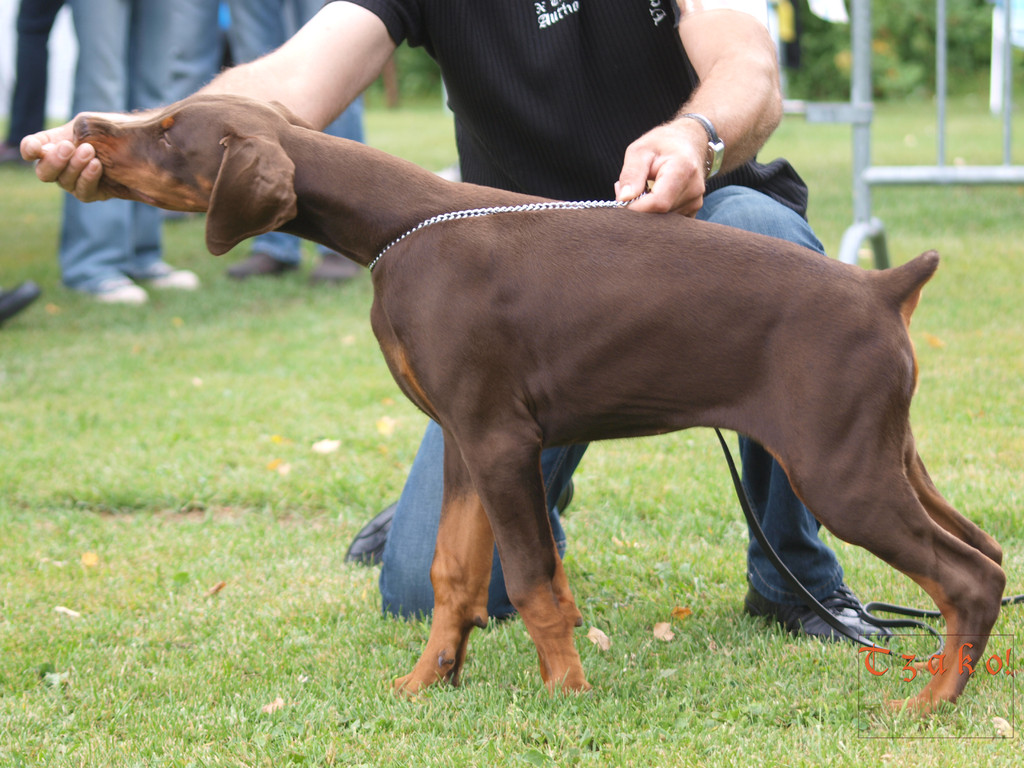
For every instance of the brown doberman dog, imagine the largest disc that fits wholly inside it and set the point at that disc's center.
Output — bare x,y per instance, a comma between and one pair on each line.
538,327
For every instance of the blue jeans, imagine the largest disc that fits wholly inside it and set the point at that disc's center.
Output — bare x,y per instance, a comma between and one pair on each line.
791,529
28,103
123,60
258,27
197,50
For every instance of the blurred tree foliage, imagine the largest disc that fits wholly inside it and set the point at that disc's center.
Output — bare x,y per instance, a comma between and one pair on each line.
903,50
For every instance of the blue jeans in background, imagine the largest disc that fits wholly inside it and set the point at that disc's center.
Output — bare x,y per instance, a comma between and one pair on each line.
791,529
123,63
197,49
28,102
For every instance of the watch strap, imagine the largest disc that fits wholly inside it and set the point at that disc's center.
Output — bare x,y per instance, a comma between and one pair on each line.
716,147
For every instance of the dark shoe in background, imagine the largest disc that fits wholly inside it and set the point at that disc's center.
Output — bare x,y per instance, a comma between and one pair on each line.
260,265
13,301
334,268
9,154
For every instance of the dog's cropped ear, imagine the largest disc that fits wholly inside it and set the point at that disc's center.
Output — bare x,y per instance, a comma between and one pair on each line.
254,192
290,116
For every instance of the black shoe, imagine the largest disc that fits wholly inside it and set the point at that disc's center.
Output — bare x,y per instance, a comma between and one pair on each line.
260,265
799,619
12,302
368,545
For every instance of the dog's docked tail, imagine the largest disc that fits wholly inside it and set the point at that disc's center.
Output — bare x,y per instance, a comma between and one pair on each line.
903,284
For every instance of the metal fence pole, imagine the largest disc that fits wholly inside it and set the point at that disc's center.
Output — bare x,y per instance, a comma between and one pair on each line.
865,175
865,226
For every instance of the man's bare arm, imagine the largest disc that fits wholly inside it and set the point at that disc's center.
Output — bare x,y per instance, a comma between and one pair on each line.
316,74
734,57
321,69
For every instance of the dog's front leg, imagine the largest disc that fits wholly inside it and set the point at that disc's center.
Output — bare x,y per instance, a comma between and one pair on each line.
505,466
550,614
460,575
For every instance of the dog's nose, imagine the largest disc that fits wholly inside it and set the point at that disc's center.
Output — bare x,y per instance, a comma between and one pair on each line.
91,126
81,128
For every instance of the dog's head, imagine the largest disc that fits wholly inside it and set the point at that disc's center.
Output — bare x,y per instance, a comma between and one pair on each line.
219,154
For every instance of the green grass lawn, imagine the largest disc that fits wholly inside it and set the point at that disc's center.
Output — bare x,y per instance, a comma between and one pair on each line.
172,591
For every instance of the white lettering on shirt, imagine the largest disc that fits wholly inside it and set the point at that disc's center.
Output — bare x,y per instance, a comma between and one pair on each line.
552,12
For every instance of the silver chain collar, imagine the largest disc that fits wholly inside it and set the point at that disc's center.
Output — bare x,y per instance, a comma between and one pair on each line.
472,213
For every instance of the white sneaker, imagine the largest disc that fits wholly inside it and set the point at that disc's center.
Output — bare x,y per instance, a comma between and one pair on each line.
162,275
179,279
119,290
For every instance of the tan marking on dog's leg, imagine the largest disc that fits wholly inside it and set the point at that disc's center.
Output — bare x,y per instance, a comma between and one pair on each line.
505,465
978,604
408,378
968,624
871,503
550,614
550,620
563,594
460,575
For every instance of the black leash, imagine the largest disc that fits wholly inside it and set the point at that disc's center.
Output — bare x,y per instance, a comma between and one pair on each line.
810,600
869,611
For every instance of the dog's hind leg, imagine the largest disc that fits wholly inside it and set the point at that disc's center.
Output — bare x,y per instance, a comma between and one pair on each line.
460,575
872,503
943,513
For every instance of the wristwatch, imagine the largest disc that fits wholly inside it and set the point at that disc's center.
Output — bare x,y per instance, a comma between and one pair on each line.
716,146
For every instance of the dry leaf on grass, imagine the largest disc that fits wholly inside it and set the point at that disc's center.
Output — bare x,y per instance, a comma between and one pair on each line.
216,588
71,614
273,706
386,425
663,631
599,638
280,466
681,612
934,341
90,559
326,446
1003,728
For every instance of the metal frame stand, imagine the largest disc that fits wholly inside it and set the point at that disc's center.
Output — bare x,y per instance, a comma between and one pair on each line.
859,113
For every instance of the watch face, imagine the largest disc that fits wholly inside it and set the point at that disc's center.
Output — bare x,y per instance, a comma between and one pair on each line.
717,153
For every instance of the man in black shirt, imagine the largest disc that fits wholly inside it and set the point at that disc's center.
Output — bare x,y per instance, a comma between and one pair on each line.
569,99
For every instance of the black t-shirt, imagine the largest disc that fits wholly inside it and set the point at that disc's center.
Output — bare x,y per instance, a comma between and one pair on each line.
547,94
